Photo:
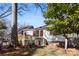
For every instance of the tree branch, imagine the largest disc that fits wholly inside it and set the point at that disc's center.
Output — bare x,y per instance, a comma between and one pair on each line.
8,10
6,15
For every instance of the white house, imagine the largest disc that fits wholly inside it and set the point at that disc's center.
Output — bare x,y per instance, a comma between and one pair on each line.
40,35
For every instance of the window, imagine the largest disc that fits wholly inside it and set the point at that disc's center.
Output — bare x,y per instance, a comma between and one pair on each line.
33,33
36,33
41,32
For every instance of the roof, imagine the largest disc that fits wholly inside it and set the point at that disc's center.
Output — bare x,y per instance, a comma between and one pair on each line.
26,27
42,27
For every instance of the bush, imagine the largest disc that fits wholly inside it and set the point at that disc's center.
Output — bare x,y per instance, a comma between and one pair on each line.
76,42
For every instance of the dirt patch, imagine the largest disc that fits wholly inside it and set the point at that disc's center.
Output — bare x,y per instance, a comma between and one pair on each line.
49,50
59,50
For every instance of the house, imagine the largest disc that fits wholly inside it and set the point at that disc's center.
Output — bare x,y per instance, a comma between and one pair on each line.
41,36
5,40
29,35
42,32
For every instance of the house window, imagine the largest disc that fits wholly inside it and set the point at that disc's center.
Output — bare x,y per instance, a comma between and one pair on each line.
33,33
41,32
36,33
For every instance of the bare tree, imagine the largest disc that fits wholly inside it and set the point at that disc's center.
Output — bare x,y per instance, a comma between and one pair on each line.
14,34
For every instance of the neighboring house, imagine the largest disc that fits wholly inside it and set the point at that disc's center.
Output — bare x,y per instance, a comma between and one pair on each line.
5,40
3,43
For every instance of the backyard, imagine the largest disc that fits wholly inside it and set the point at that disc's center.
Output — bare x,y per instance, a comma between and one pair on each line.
50,50
42,23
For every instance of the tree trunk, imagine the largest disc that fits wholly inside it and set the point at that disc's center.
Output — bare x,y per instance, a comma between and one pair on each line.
66,42
14,35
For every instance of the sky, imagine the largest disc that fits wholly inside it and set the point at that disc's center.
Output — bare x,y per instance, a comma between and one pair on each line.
33,17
